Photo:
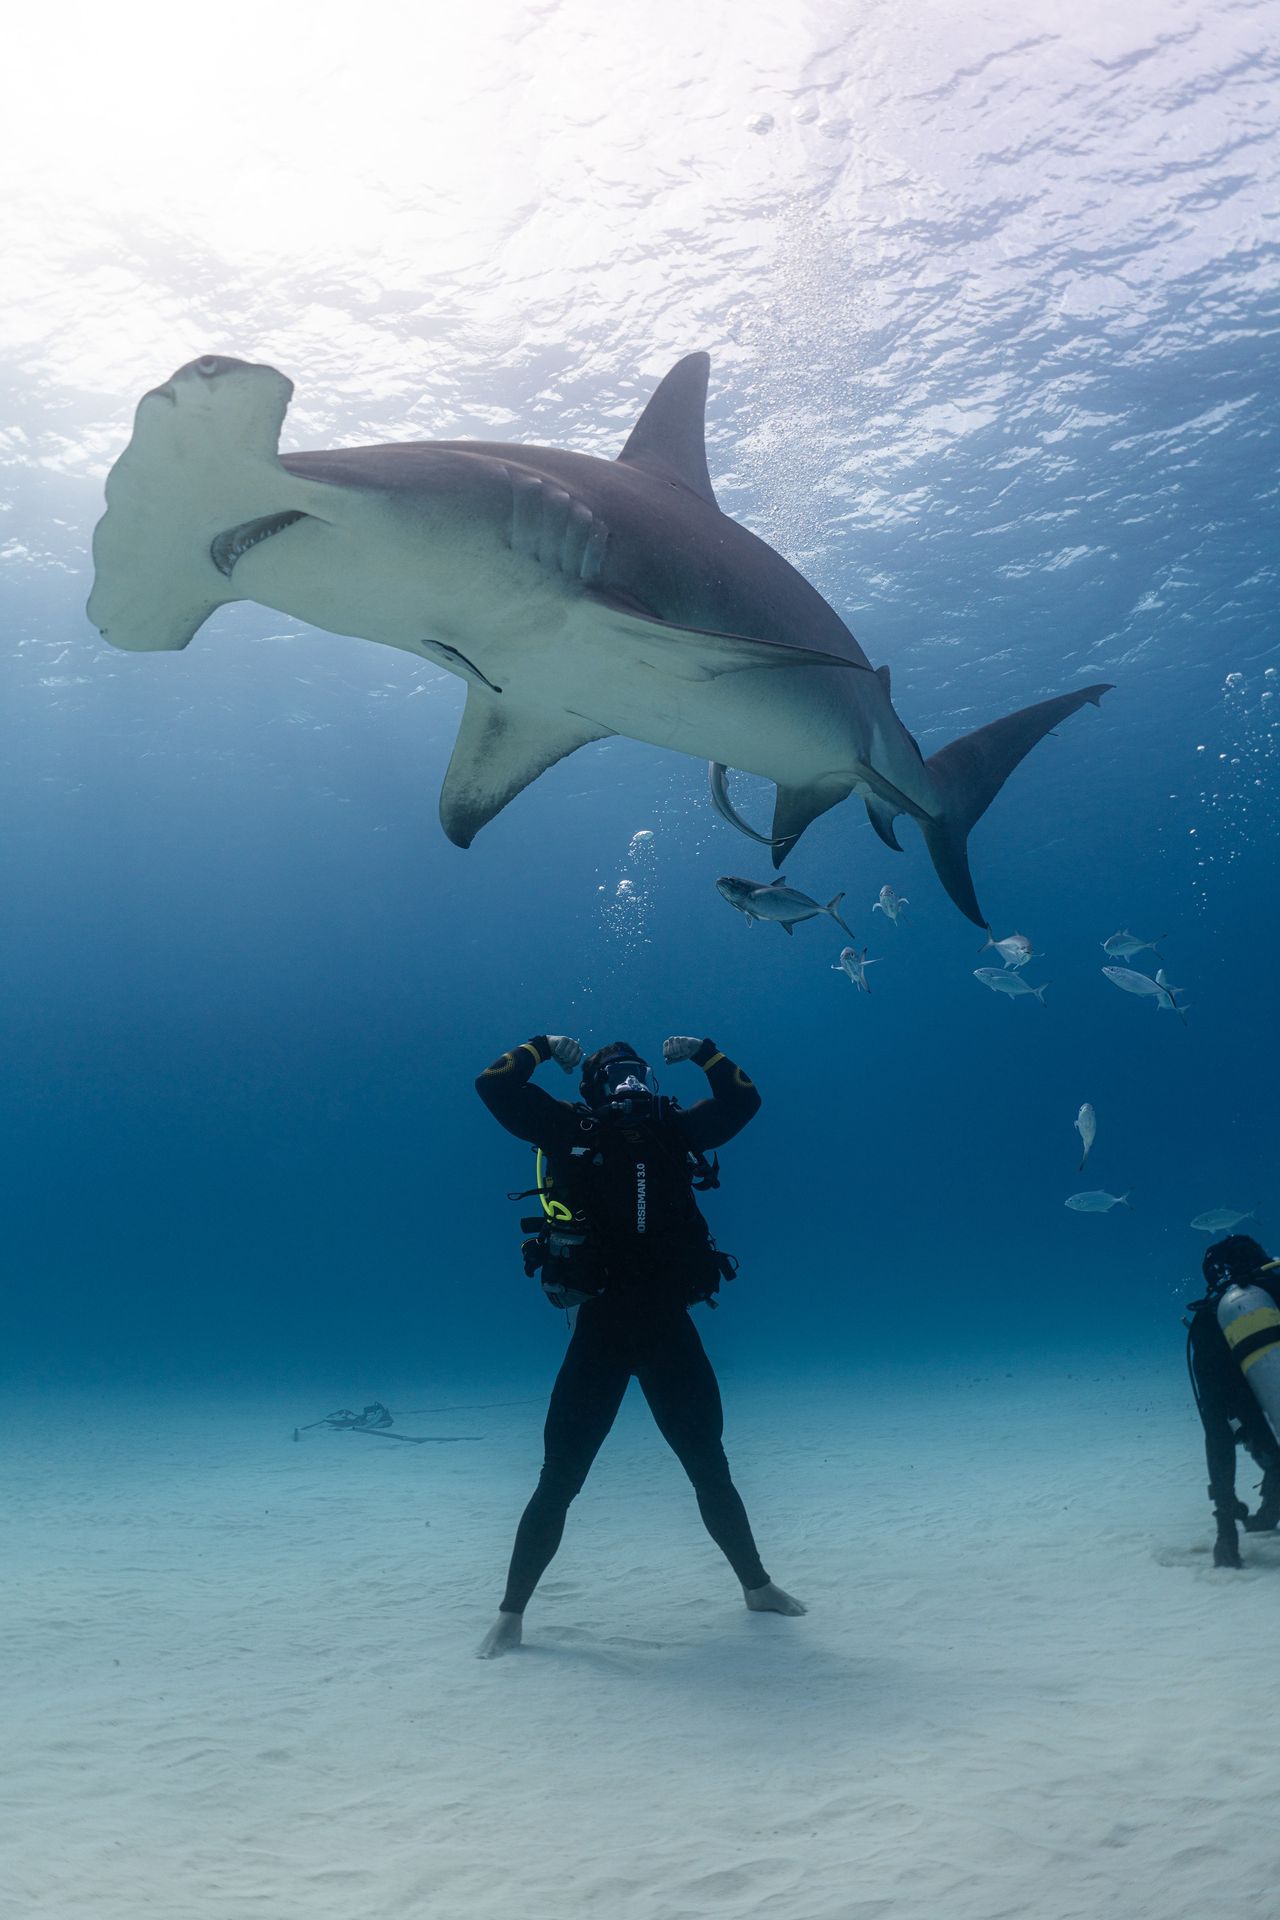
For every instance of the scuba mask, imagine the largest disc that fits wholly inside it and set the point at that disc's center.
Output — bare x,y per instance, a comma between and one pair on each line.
618,1079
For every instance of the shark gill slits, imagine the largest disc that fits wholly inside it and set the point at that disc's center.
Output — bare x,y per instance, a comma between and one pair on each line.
555,520
593,558
552,527
232,544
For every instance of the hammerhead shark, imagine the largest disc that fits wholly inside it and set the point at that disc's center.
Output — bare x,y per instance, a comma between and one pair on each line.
577,597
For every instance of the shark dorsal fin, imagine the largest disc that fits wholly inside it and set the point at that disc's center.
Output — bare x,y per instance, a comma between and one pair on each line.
670,436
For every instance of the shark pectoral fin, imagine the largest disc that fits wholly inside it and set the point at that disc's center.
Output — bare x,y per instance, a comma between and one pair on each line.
669,439
971,771
882,816
697,653
798,807
498,752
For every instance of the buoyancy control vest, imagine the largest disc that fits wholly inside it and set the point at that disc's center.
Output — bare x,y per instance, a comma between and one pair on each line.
619,1213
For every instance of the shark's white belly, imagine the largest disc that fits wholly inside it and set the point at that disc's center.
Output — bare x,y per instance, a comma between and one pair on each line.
414,580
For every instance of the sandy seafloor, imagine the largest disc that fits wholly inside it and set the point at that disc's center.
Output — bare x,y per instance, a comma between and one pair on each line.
240,1681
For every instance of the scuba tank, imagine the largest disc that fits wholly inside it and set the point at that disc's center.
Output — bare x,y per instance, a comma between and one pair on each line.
1250,1322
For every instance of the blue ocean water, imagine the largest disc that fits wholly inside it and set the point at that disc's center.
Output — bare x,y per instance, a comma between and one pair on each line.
991,299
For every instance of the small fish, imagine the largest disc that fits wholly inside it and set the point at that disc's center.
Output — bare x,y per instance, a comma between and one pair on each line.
1098,1201
777,902
1221,1220
1007,980
1086,1127
855,964
1015,951
1158,989
1123,945
890,905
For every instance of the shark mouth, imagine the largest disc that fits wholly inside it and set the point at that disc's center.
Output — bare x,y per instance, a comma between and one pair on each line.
232,545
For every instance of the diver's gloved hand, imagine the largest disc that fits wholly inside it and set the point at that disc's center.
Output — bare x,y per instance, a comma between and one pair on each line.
681,1046
565,1052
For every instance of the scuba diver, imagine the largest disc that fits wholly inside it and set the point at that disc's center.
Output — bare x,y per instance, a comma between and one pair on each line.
1233,1357
621,1239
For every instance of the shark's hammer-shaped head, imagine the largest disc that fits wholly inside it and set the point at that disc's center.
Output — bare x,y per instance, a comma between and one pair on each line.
202,461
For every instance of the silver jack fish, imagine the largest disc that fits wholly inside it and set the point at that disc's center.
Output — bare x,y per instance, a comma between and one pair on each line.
855,964
777,902
1123,945
1098,1201
1221,1220
890,905
1158,989
1007,980
1086,1127
1015,950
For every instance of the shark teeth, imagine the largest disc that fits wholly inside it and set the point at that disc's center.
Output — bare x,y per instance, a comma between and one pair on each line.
232,545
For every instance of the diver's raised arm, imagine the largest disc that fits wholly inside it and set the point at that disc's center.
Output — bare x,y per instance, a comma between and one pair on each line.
525,1110
734,1099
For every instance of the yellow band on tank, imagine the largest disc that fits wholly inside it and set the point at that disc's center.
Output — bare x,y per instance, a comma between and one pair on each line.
713,1061
1252,1323
1260,1353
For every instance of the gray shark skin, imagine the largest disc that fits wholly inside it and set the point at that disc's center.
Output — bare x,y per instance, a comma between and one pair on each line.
577,597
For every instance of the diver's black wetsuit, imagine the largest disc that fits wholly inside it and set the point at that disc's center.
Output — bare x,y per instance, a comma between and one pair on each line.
1231,1417
639,1325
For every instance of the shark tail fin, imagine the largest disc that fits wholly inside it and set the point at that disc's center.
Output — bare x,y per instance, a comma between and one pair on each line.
970,773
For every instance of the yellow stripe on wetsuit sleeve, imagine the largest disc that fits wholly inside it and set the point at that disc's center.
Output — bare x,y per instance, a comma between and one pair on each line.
713,1061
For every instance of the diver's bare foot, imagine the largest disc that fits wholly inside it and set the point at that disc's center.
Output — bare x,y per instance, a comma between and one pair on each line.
503,1636
771,1599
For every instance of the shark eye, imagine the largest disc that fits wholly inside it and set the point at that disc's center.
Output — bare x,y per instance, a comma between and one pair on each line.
207,364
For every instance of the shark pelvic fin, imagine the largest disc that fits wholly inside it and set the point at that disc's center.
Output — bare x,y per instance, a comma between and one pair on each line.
797,808
882,816
970,773
669,439
497,754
